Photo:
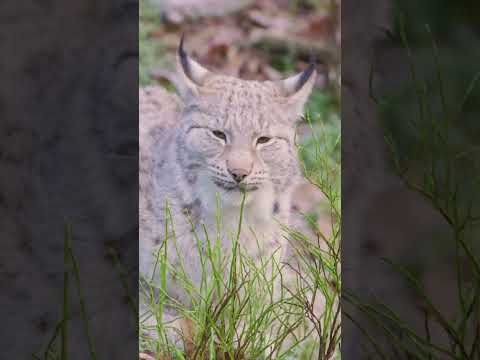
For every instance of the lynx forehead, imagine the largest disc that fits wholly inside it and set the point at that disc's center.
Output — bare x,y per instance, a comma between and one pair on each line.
240,104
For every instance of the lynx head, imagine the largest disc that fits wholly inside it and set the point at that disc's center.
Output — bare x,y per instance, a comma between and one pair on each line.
239,135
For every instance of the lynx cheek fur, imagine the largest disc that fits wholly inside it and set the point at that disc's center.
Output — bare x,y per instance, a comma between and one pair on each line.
227,137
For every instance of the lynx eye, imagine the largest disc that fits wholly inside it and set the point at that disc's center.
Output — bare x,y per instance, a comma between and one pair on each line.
263,139
219,134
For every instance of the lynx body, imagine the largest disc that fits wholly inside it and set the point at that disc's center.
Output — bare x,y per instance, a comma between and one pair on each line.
201,153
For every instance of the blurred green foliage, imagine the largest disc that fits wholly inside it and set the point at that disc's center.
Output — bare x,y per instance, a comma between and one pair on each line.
151,49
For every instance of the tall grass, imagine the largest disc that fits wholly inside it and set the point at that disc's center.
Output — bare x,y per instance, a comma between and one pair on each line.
57,347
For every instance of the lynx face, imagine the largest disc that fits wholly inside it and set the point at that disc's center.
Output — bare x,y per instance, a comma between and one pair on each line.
239,141
239,135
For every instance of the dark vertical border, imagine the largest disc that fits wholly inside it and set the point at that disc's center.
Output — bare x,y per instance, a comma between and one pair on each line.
411,210
69,179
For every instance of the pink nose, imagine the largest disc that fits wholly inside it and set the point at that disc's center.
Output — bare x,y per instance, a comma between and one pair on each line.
238,174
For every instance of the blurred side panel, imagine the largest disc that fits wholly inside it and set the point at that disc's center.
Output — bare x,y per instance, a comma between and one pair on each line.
410,127
69,179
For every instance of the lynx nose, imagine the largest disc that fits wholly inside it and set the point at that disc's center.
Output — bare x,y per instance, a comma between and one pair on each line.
238,174
239,164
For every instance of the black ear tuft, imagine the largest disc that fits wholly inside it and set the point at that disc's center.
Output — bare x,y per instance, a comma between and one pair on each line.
306,73
183,56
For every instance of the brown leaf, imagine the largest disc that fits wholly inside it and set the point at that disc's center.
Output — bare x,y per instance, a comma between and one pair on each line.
319,25
216,54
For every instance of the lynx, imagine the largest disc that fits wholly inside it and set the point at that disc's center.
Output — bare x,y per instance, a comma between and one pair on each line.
223,141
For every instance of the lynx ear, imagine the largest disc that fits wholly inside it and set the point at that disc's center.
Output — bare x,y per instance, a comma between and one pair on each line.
297,88
192,73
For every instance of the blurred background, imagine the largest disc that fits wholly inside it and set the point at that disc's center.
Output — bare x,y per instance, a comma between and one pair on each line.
259,40
410,239
249,39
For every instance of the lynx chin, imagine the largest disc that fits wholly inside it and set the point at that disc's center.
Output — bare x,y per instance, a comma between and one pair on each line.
221,139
